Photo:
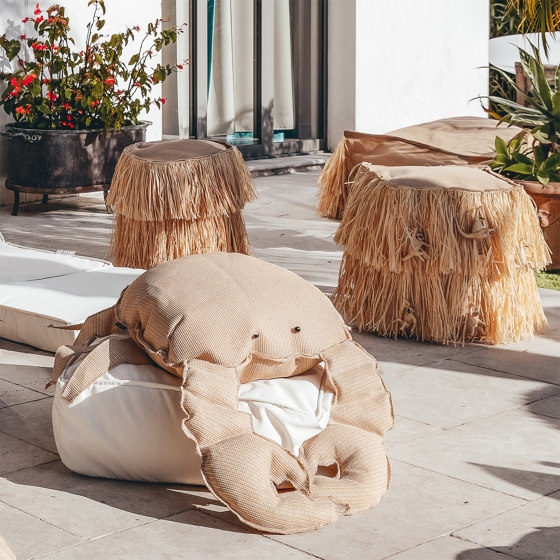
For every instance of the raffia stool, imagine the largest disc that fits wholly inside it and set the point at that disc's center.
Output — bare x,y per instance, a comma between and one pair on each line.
178,197
445,254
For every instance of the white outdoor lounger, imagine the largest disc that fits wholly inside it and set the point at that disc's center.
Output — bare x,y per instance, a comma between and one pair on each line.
42,288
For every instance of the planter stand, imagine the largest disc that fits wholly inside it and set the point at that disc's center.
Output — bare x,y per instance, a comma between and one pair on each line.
45,191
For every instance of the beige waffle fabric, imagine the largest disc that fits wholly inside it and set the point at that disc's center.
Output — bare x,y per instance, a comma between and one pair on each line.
218,320
6,551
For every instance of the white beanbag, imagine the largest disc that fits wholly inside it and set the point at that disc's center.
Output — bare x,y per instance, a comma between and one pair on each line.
127,424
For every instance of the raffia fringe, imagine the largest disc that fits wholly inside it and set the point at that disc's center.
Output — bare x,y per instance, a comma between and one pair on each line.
380,218
333,187
454,275
140,244
372,299
184,190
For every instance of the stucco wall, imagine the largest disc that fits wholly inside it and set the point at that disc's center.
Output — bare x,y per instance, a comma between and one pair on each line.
119,15
414,62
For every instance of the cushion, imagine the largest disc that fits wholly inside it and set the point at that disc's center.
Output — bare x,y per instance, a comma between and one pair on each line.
220,322
28,308
454,141
175,150
105,431
23,264
447,177
469,137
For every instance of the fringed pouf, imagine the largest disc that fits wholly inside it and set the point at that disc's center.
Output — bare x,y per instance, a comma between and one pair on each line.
443,254
178,197
452,141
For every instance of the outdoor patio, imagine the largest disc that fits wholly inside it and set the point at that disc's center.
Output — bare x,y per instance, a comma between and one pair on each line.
474,451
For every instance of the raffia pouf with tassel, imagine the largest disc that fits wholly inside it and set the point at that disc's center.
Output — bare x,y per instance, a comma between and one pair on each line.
444,254
178,197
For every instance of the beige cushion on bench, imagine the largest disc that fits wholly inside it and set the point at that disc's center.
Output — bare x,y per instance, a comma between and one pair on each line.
453,141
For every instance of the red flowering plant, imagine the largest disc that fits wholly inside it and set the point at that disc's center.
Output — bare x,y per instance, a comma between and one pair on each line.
59,87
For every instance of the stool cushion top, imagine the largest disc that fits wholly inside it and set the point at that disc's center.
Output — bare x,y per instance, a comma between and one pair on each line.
452,177
176,150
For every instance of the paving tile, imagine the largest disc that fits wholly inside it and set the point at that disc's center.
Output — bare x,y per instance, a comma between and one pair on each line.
90,507
406,430
188,535
26,366
30,422
16,454
448,548
11,394
15,353
549,301
528,532
420,505
443,394
536,359
512,452
30,537
547,407
400,354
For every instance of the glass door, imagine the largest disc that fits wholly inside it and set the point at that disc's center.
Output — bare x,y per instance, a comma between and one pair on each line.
256,75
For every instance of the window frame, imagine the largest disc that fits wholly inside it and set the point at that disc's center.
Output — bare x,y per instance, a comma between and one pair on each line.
263,83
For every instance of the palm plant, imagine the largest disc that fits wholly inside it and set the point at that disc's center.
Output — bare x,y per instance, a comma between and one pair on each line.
537,16
532,155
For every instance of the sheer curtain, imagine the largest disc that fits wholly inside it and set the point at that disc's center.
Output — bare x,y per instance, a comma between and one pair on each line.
230,94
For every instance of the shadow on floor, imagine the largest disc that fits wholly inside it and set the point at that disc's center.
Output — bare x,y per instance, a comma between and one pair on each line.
534,481
156,501
541,544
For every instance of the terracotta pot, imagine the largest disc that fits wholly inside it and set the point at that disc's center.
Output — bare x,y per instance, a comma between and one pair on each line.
548,208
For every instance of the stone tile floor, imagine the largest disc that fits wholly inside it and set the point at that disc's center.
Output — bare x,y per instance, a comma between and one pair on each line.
475,451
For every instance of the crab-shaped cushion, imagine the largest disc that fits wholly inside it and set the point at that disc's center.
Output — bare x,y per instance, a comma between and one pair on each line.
221,320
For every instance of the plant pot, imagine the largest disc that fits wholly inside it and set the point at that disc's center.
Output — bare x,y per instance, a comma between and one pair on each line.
547,200
64,161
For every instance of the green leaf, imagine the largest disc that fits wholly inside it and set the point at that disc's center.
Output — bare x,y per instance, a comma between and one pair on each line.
545,134
12,48
552,162
44,109
540,156
501,147
518,157
520,168
500,159
543,177
133,60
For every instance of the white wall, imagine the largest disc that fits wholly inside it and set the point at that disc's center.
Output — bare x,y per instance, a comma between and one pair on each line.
341,77
415,62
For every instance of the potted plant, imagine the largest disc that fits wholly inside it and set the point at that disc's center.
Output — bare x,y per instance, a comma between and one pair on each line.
76,109
533,156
